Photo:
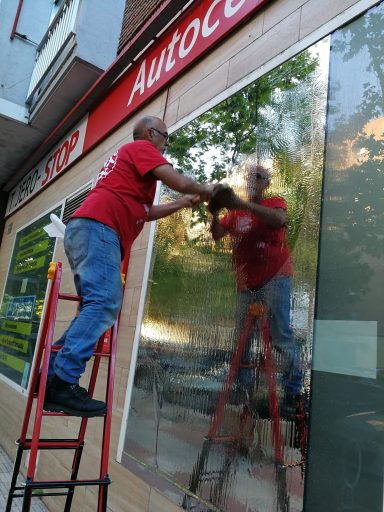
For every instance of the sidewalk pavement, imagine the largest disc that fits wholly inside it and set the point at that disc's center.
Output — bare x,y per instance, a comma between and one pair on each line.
6,468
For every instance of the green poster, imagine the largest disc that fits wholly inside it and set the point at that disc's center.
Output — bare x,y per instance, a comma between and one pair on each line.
23,299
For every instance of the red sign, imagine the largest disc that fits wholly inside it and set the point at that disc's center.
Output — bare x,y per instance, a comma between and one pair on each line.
199,30
56,161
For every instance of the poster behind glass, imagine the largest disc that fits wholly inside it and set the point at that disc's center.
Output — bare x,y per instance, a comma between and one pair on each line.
23,299
229,425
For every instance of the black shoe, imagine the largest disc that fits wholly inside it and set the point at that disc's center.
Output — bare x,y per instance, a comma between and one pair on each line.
37,386
62,396
288,407
294,407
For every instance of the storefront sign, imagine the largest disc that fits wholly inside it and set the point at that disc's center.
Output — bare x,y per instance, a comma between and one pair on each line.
47,169
19,327
198,30
14,343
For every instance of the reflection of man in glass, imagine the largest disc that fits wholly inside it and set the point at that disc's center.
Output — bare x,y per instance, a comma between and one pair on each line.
263,267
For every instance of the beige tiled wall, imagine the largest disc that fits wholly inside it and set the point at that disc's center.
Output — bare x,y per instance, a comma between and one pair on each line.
271,32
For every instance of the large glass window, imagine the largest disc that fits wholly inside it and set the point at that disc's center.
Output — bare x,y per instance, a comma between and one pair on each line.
234,433
346,456
23,299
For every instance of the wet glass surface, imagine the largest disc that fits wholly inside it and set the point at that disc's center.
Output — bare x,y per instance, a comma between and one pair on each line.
346,456
220,398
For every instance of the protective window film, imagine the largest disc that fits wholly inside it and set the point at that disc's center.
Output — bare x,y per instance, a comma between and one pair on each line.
346,451
220,398
23,299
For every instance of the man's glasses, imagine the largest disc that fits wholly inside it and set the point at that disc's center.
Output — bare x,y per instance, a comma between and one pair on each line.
164,134
261,177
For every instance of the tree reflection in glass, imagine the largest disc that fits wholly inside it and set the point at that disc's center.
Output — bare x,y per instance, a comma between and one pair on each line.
345,453
188,336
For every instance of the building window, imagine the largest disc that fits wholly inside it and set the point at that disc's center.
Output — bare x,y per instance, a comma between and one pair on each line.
200,290
23,299
74,201
346,450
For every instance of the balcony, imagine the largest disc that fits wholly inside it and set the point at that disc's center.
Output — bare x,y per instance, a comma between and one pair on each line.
72,54
60,34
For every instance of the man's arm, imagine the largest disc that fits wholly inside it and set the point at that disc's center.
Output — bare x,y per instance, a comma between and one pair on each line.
181,183
163,210
217,230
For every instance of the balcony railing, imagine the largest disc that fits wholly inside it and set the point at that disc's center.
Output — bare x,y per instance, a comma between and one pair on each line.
59,32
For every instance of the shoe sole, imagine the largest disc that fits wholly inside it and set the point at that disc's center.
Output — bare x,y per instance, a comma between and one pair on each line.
50,407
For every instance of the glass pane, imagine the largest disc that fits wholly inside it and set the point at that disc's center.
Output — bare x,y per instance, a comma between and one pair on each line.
23,299
346,457
220,397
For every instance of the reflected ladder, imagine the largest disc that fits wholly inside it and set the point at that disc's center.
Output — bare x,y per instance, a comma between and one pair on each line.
257,312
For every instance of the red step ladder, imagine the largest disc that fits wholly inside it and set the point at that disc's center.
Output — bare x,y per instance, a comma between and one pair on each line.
257,317
105,348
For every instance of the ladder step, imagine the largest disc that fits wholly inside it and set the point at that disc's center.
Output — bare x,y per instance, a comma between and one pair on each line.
54,413
102,354
56,348
39,495
249,365
59,444
69,296
62,484
213,475
223,439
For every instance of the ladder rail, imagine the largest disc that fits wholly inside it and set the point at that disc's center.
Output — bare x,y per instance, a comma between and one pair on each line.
40,349
274,410
47,341
218,415
103,490
98,354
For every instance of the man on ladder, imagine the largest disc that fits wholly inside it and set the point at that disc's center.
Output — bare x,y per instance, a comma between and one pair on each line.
97,236
263,267
263,270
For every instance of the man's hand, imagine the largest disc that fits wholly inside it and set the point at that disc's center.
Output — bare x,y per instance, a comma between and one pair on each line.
163,210
207,192
189,200
222,197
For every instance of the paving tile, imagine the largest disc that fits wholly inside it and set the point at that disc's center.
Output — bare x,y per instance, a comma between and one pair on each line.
6,468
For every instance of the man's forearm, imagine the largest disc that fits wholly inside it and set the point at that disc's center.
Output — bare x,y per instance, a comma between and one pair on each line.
217,230
163,210
275,217
181,183
190,186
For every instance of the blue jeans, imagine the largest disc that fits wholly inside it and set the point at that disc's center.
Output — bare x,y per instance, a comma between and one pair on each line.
276,296
93,252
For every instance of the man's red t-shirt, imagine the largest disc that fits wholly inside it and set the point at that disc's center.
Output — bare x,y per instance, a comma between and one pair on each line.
124,190
260,251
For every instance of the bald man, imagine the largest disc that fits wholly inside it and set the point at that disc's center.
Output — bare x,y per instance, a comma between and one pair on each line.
97,236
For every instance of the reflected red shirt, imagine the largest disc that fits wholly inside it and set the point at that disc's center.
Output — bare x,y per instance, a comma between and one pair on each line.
124,190
260,252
